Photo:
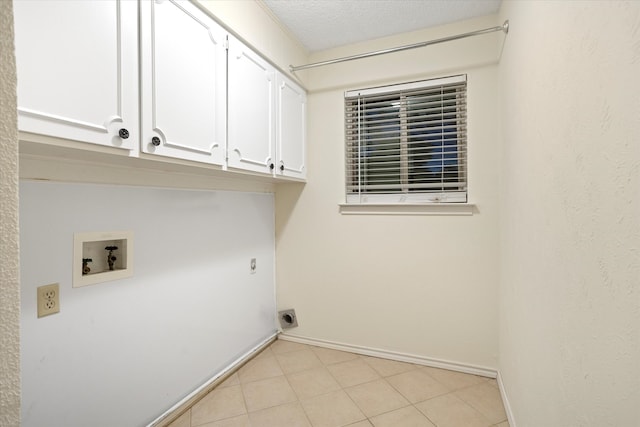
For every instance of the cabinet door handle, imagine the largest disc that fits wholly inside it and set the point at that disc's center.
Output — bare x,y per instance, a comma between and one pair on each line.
123,133
282,167
155,141
271,166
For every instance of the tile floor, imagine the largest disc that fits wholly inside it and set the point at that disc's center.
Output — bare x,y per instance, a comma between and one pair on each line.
295,385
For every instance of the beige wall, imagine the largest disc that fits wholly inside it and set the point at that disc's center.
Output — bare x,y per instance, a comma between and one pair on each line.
570,213
255,24
418,285
9,261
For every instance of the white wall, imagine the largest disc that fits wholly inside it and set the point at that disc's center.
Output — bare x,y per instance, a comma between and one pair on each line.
418,285
9,261
120,353
570,213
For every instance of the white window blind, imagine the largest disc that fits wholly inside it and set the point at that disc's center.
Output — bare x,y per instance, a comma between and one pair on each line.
407,143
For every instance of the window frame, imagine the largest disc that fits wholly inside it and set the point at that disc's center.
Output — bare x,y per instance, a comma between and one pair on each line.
408,194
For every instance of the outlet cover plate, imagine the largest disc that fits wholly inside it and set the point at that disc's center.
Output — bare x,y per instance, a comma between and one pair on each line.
48,299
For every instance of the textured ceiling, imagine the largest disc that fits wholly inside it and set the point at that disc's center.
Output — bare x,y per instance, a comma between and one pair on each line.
323,24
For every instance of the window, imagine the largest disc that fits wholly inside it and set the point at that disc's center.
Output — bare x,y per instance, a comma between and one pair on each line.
407,143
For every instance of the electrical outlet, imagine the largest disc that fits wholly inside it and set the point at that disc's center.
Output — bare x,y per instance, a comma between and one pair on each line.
48,299
253,266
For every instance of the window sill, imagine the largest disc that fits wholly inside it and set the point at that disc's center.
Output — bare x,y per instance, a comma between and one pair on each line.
408,209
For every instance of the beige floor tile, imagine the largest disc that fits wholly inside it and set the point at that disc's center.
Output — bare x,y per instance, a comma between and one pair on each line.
405,417
291,384
334,409
329,356
364,423
289,415
450,411
417,386
267,393
376,397
282,346
453,380
219,404
386,367
267,352
240,421
486,399
296,361
232,380
183,420
312,382
260,369
352,372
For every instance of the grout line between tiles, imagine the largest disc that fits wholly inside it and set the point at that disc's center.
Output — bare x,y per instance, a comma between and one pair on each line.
478,409
299,401
425,415
244,399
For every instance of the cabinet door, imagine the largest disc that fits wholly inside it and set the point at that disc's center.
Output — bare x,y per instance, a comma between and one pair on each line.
78,70
251,110
183,78
291,128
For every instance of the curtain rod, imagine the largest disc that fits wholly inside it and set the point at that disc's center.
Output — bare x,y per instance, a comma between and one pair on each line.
504,28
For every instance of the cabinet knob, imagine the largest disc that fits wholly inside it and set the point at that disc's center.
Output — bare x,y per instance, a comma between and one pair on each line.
123,133
282,167
155,141
271,166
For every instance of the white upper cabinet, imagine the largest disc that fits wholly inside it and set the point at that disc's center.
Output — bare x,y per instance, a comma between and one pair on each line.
291,116
155,77
183,82
77,65
251,142
267,116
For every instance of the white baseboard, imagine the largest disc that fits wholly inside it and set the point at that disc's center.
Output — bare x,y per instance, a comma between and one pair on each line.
392,355
505,402
179,408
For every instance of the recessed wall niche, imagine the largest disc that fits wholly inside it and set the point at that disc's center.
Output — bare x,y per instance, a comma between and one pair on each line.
102,256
